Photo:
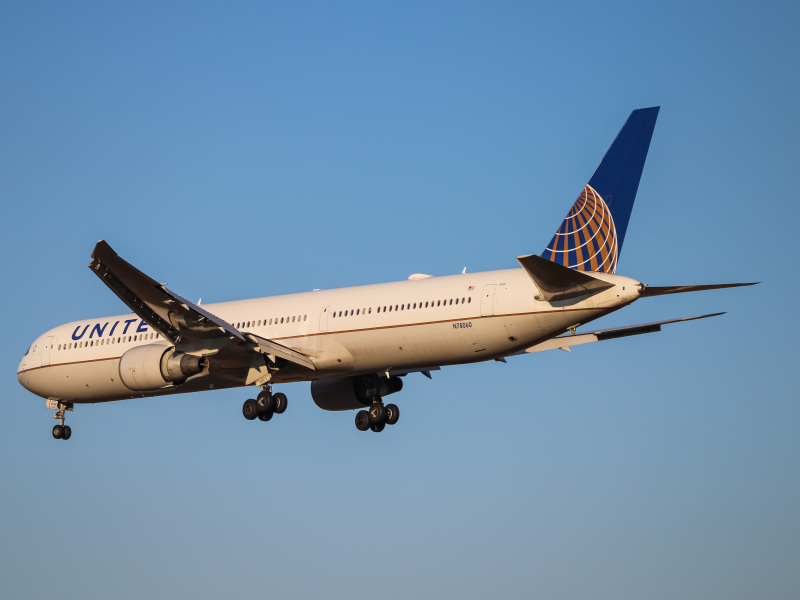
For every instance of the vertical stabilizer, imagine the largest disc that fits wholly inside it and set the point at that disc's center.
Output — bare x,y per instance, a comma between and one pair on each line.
591,236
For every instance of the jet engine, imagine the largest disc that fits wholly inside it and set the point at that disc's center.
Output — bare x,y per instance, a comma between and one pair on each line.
353,392
154,366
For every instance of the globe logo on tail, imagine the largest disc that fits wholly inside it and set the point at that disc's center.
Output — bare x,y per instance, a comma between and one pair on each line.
587,239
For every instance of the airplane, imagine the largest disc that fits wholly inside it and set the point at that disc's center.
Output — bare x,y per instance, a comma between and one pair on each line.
356,344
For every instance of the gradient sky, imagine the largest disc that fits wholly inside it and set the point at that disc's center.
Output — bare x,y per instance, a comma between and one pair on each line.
246,149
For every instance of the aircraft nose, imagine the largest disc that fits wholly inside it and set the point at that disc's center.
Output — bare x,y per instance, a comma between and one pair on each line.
21,376
24,375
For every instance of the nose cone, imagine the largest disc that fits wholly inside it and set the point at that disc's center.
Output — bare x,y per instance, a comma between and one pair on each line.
25,372
23,379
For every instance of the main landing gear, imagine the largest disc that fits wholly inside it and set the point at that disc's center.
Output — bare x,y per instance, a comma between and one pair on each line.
265,405
377,417
62,431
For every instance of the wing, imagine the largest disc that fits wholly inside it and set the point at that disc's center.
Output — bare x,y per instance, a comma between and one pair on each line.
188,326
564,342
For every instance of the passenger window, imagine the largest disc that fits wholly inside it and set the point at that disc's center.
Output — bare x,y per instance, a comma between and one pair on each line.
293,318
305,317
390,308
469,299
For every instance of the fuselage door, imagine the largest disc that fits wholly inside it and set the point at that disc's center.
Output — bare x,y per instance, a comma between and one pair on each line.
323,318
46,347
487,300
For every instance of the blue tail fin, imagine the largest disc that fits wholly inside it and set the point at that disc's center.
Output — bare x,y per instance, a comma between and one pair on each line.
591,236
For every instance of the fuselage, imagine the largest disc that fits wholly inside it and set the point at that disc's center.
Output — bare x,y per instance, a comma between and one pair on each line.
388,327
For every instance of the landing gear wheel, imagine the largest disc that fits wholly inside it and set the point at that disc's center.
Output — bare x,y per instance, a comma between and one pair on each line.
362,420
377,414
377,427
265,416
266,402
67,432
392,414
58,431
250,409
279,401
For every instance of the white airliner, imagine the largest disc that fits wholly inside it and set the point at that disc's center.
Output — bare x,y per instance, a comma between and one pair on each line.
355,344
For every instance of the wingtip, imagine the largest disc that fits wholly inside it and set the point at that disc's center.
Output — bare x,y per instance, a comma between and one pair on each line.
102,247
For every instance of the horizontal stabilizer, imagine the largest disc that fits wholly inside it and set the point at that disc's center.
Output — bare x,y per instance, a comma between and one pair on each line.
563,342
557,282
682,289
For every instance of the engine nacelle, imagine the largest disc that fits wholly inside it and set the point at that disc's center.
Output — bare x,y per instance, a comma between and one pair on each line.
154,366
348,393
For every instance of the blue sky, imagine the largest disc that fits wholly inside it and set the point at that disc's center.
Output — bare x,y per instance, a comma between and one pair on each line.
245,149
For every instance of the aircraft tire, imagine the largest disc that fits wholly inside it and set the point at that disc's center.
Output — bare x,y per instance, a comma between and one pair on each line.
377,427
67,432
58,432
250,409
377,413
392,414
280,402
265,415
362,420
266,402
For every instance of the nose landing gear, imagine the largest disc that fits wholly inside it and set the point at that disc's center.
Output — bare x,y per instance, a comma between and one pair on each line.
265,405
62,431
